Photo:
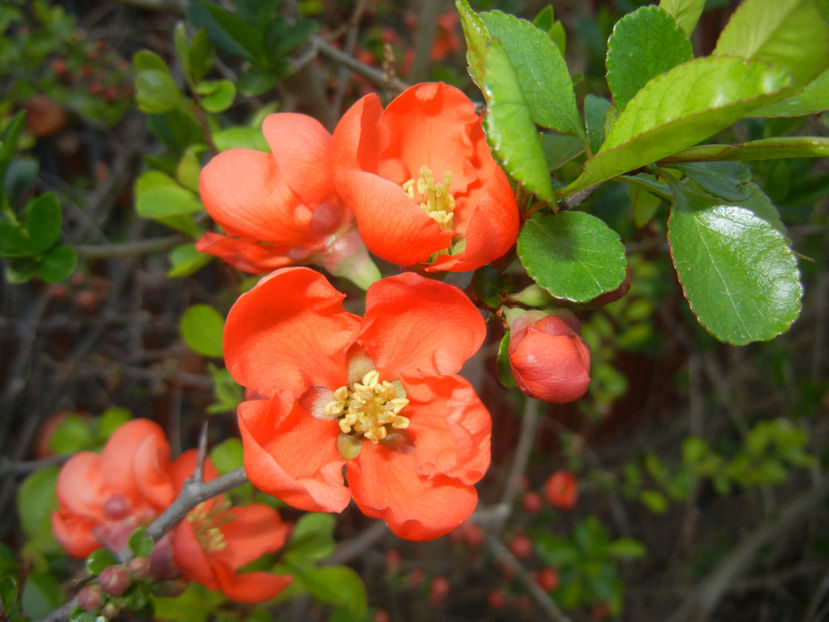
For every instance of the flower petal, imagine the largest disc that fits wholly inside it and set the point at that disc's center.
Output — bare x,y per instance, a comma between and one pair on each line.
300,146
118,458
184,467
291,455
81,489
251,531
244,191
74,534
288,333
250,587
242,254
357,142
151,466
385,485
416,326
190,557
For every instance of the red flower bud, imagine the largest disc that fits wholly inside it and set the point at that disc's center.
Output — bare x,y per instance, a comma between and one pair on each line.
549,360
561,490
547,578
140,567
115,580
90,598
521,547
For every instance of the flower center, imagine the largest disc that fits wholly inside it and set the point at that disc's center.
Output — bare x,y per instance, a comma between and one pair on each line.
435,199
207,521
366,409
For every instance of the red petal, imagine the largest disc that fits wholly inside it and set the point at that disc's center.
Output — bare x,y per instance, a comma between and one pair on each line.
152,472
385,485
184,467
301,146
253,531
190,557
118,458
250,587
288,333
357,139
450,428
81,489
415,326
243,191
74,534
291,455
242,254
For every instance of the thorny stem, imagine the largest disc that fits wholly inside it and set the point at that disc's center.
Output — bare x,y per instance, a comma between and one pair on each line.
129,249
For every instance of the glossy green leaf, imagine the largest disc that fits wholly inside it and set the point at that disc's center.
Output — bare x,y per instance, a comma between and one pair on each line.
58,264
110,420
736,270
228,455
726,180
227,31
489,285
789,34
541,71
8,592
20,175
100,559
72,435
312,539
36,499
201,327
41,594
573,255
241,137
186,260
8,561
811,99
182,45
144,60
685,12
643,45
141,544
156,91
15,240
762,149
228,393
679,109
217,95
644,205
508,120
43,221
159,196
595,112
759,203
560,149
626,548
337,585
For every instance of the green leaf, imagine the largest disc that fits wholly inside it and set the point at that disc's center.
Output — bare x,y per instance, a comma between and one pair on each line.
8,593
737,272
559,149
159,196
685,12
626,548
759,203
41,594
144,60
655,501
72,435
643,45
227,31
811,99
505,376
182,46
679,109
312,539
595,112
644,205
337,585
554,550
8,561
100,559
227,391
573,255
227,455
156,91
43,221
20,175
110,420
202,326
218,95
202,54
762,149
186,260
508,121
58,264
255,81
20,270
489,285
241,137
726,180
789,34
140,543
15,240
541,71
36,499
9,138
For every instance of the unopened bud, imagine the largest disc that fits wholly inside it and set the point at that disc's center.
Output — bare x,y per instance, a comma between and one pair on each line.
115,580
170,587
110,610
140,567
90,598
116,507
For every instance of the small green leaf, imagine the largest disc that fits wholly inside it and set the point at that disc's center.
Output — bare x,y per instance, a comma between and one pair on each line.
242,137
505,376
626,548
182,46
559,149
255,81
811,99
202,54
228,455
156,91
20,270
762,149
58,264
202,326
573,255
43,221
489,284
8,593
227,31
15,240
140,543
146,60
726,180
655,501
72,435
218,95
36,499
679,109
644,205
737,272
159,196
789,34
9,138
337,585
227,391
685,12
20,175
312,539
8,561
643,45
186,260
110,420
100,559
41,594
189,168
595,112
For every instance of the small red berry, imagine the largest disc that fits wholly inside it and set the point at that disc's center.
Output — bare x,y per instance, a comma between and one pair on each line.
547,579
561,490
531,502
438,590
521,547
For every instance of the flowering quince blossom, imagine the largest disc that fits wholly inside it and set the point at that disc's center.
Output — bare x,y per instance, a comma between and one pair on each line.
549,359
422,181
378,395
215,540
102,498
282,208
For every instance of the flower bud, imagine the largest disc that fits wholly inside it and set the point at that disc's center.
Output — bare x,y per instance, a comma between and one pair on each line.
140,568
115,580
90,598
549,359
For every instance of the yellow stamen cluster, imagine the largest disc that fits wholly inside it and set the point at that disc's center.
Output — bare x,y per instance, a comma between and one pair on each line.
366,408
435,199
206,522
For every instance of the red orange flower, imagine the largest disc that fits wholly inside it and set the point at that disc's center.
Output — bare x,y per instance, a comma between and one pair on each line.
215,540
281,208
379,395
103,498
422,182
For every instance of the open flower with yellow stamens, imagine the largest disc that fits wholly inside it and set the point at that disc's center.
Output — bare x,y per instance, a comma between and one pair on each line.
422,181
378,395
215,539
